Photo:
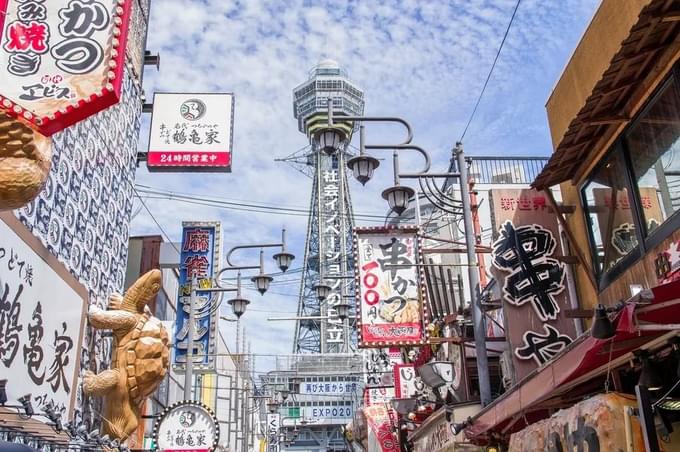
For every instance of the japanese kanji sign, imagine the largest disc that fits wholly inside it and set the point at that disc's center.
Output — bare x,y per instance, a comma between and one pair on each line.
187,426
390,299
191,132
273,427
531,278
378,395
42,316
61,60
199,254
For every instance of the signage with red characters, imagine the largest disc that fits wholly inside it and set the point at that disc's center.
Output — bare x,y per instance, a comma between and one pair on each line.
61,61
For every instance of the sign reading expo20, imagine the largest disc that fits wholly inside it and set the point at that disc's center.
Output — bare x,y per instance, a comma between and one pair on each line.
191,132
187,426
391,293
61,61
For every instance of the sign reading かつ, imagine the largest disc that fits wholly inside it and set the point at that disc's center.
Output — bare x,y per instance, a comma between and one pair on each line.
42,316
191,132
391,294
200,254
61,60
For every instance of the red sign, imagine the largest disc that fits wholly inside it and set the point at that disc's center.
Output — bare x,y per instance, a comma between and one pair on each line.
61,61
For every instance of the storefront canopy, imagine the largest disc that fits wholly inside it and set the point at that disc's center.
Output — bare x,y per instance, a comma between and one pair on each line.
553,385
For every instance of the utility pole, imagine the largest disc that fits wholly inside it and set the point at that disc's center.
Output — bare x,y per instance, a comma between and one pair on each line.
189,366
473,275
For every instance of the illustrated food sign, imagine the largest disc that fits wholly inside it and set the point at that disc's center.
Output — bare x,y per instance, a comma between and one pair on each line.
199,254
191,132
596,424
391,291
187,426
61,61
42,316
532,279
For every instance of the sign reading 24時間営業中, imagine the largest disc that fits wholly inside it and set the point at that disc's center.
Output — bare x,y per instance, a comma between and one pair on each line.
61,61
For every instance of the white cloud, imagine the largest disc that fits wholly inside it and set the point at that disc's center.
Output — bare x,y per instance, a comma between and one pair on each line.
422,60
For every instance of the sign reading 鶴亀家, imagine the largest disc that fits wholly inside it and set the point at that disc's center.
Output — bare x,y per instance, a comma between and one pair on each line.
200,255
42,317
61,61
187,426
531,278
390,299
191,132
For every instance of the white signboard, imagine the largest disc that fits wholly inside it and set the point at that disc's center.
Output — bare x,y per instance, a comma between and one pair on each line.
191,132
326,414
273,426
378,395
187,426
333,388
61,60
42,316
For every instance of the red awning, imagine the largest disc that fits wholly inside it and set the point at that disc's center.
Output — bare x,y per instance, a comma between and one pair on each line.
582,360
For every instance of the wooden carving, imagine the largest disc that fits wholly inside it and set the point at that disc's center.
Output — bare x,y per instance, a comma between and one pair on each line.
25,158
139,360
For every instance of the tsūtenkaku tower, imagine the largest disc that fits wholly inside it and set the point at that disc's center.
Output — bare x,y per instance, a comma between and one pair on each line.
328,272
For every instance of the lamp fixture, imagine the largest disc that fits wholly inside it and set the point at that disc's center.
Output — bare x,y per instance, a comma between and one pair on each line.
322,291
436,374
273,406
3,391
329,140
649,377
405,406
602,327
262,281
25,402
398,197
343,310
460,426
283,260
363,167
238,304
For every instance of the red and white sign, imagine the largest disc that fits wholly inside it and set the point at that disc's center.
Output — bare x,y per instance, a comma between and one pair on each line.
406,381
391,291
381,436
191,132
379,395
61,61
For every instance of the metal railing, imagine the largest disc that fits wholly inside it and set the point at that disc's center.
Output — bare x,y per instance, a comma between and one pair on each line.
505,170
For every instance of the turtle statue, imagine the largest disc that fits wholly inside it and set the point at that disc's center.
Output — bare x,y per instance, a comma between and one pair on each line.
139,359
25,159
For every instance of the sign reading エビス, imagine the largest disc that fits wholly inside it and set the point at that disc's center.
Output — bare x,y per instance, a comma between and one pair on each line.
531,278
191,132
199,255
61,60
42,317
391,293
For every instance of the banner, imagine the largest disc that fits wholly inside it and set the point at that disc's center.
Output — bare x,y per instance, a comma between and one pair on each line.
391,300
381,436
273,426
42,317
200,253
61,61
191,132
531,277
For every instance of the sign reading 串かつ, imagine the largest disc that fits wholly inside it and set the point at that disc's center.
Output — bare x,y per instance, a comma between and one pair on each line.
42,316
191,132
531,277
200,255
390,296
187,426
61,60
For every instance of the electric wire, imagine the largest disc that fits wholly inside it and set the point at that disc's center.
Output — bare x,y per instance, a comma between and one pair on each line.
493,66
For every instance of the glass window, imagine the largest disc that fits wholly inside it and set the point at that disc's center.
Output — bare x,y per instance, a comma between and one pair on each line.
609,211
654,147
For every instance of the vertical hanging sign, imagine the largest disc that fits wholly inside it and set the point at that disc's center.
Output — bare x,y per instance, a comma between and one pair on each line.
391,297
200,253
531,277
61,61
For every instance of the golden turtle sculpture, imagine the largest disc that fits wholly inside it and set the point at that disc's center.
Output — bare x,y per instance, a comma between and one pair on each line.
139,360
25,158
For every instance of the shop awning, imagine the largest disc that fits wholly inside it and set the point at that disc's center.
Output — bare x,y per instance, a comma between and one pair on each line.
552,386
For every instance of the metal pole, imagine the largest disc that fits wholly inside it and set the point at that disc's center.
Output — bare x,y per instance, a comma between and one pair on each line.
473,275
189,366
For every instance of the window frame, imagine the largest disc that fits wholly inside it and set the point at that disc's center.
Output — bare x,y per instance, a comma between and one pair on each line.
646,240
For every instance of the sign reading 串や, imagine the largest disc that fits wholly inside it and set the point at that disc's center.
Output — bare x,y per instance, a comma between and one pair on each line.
334,256
42,316
531,278
61,61
191,132
200,255
391,290
187,426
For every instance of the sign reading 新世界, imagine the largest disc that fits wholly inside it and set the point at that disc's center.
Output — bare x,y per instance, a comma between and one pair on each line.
531,278
61,60
42,317
199,255
390,296
191,132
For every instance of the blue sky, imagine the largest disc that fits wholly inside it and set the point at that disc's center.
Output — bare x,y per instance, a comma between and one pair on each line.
423,60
